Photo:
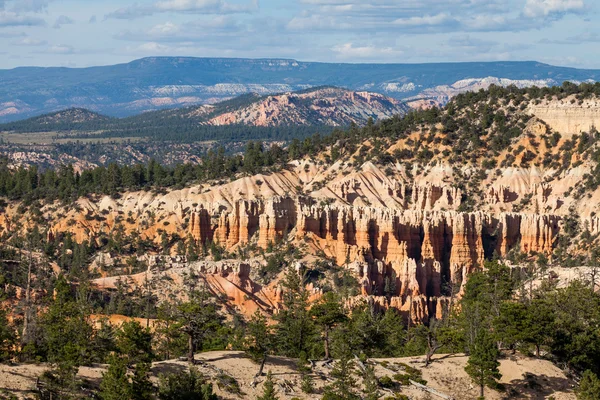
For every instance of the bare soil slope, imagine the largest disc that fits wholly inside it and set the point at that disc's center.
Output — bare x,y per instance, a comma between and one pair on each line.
524,378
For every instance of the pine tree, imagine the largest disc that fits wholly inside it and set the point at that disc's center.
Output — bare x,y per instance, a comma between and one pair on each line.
190,385
295,329
141,387
483,363
589,387
306,381
268,389
343,387
198,318
371,385
115,383
327,313
67,334
259,340
344,384
135,343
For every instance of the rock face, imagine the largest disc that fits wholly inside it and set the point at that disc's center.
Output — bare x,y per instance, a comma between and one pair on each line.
328,106
569,116
424,256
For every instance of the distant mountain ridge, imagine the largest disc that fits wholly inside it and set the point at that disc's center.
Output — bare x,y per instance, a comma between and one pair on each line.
322,107
166,82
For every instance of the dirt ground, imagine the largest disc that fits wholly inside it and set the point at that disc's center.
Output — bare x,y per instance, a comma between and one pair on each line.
523,378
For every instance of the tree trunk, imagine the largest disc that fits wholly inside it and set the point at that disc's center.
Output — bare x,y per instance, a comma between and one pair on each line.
262,366
326,344
481,386
191,348
25,339
537,350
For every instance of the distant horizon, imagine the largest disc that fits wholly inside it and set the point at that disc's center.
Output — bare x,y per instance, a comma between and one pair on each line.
299,60
75,33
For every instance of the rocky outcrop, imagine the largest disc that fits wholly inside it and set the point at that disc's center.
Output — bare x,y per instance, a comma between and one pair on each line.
569,116
325,106
424,254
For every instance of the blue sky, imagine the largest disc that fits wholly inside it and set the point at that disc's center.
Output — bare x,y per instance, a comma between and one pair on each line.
98,32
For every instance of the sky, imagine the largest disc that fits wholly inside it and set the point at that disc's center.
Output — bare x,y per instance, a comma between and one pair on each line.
82,33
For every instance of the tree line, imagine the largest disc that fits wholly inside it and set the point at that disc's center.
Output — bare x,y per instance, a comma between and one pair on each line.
498,314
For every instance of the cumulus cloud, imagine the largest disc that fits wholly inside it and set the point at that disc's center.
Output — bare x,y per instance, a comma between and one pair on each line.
427,20
318,22
351,51
10,18
30,5
183,6
544,8
27,41
62,20
212,30
60,49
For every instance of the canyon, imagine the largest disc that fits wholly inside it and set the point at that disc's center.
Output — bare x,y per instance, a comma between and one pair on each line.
400,228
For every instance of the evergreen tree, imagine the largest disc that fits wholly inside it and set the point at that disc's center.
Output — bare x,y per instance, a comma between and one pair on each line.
482,365
306,381
509,326
190,385
67,334
135,343
141,387
327,313
268,389
115,383
344,384
589,387
295,331
259,340
198,318
370,383
539,320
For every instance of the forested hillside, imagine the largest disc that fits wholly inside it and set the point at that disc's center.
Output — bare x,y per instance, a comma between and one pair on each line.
248,117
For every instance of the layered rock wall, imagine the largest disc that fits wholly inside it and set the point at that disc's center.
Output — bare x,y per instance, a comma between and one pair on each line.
422,256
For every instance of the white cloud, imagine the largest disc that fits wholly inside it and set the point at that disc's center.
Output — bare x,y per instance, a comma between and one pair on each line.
168,28
183,6
213,30
61,49
9,34
544,8
153,48
318,22
350,51
29,42
30,5
427,20
9,18
62,20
